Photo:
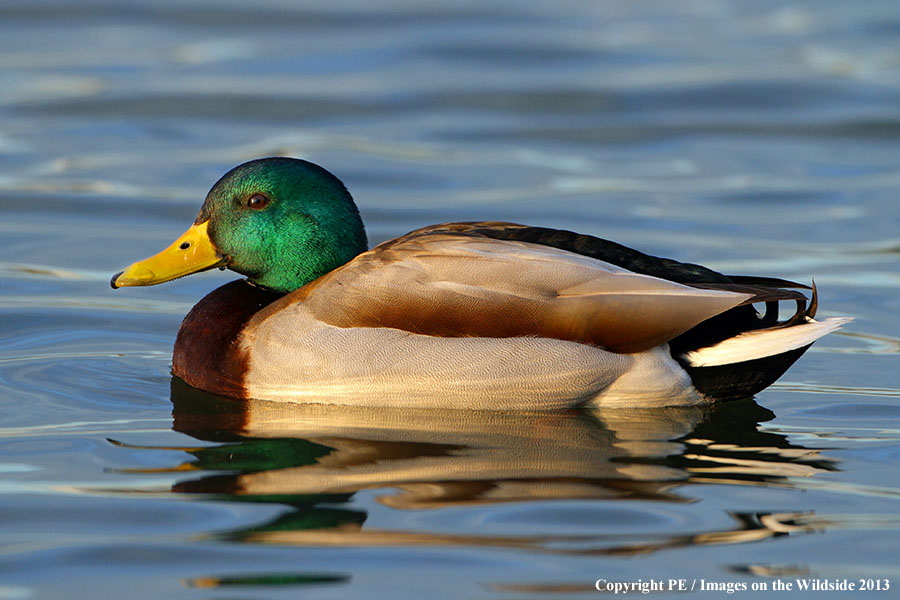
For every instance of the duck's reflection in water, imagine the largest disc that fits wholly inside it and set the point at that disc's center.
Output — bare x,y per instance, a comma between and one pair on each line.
306,456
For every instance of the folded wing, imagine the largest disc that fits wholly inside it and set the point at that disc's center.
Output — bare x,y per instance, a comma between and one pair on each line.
441,283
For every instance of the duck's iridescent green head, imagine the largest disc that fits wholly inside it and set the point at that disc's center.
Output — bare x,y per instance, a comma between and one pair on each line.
282,222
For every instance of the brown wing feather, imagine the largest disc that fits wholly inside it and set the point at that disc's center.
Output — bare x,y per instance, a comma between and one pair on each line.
447,281
742,318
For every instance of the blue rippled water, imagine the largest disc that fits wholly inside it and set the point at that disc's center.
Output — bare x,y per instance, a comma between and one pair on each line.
757,138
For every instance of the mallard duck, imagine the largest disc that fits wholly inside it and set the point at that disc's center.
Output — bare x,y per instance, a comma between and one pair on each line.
466,315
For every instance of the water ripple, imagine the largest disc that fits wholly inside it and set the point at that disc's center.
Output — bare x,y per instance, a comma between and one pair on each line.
756,138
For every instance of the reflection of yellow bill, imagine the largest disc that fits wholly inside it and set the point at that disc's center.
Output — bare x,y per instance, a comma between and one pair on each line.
191,253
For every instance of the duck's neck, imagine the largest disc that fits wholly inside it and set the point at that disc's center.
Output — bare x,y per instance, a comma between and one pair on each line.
300,261
305,246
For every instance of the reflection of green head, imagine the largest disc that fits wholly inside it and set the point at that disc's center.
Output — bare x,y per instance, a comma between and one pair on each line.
283,222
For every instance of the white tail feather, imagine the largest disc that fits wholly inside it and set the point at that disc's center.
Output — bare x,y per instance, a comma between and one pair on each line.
761,343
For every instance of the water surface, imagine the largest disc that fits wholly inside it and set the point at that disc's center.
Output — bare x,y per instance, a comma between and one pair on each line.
755,138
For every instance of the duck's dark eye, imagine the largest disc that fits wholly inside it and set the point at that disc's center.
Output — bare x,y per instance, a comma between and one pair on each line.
257,201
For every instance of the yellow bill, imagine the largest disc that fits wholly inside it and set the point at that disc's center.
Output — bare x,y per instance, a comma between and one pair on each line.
191,253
